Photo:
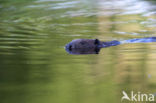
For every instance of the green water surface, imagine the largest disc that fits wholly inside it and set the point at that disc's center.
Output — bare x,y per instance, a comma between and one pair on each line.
35,68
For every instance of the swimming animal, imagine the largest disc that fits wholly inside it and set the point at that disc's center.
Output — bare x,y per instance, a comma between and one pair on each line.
93,46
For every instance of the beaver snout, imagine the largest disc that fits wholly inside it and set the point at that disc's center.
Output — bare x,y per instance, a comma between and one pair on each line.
68,47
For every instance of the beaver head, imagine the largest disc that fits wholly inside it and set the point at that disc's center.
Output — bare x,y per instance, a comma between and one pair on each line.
84,46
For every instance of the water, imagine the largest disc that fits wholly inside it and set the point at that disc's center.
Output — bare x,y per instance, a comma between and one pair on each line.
35,68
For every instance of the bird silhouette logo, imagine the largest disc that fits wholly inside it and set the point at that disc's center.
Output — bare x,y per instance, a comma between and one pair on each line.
125,96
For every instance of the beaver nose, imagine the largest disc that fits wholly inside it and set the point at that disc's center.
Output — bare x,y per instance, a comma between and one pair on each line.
68,47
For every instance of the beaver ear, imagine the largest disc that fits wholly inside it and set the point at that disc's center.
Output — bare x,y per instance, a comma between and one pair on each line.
96,41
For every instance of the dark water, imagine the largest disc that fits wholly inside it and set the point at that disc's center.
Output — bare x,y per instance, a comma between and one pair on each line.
35,68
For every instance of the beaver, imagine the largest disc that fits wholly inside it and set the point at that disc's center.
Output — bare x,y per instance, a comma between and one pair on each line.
88,46
93,46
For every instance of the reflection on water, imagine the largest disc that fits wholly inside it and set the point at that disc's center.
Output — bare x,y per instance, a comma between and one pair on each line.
35,67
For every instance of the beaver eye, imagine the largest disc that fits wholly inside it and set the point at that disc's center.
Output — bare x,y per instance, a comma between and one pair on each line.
70,47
